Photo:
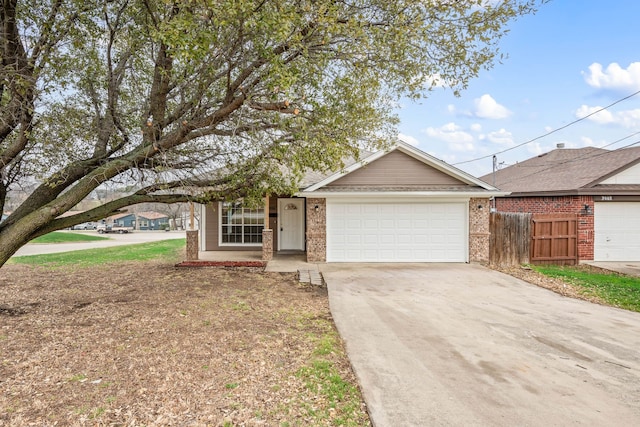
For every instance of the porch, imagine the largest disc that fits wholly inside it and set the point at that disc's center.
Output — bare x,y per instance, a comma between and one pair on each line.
284,262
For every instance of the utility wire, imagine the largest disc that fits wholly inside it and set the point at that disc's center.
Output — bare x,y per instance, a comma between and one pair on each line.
604,146
583,157
550,132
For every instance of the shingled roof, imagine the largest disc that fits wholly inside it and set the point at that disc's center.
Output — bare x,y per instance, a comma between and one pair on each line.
567,171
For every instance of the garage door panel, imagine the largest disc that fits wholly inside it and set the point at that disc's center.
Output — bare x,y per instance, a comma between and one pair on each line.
406,232
617,231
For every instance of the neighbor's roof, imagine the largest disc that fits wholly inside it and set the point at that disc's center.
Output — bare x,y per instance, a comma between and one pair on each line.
151,215
118,216
566,171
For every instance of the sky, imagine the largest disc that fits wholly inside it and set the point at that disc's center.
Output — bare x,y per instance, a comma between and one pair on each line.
566,61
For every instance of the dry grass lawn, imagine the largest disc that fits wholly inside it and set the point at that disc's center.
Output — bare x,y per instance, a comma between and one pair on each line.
146,343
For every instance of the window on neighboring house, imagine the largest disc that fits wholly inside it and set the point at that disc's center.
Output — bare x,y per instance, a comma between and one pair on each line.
144,223
239,225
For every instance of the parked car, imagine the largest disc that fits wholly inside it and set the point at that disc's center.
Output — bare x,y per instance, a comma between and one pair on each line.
104,228
85,226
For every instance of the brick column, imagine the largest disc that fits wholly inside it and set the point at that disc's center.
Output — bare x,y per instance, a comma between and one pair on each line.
192,245
479,230
316,230
267,244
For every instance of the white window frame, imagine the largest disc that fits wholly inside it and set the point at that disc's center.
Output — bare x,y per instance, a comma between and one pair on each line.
221,206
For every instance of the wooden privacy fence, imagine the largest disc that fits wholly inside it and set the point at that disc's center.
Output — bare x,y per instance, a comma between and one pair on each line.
522,238
554,239
510,238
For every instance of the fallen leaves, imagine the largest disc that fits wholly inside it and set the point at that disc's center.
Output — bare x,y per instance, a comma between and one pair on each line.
152,344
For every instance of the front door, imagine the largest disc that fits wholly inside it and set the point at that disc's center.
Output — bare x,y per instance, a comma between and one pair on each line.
290,224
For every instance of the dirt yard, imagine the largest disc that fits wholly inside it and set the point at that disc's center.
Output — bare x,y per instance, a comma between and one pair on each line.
152,344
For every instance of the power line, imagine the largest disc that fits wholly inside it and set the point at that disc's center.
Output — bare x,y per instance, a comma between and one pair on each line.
583,157
550,132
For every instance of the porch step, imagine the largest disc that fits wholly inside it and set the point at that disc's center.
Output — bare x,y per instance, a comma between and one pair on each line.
310,276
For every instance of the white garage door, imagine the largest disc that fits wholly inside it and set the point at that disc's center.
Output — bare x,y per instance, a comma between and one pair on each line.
396,232
617,231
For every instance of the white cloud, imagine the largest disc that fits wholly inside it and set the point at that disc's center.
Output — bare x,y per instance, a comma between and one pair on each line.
476,127
488,108
501,136
587,142
451,109
602,117
627,118
614,77
408,139
454,135
449,133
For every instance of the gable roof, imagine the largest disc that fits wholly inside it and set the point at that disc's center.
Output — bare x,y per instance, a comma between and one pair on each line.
447,179
119,216
566,171
151,215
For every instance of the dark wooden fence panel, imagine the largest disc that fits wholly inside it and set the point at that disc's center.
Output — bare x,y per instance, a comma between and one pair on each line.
554,239
509,243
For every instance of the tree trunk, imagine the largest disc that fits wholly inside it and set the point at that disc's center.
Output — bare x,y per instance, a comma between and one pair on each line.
12,238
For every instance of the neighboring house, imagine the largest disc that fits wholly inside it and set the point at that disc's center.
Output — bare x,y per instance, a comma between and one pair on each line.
140,221
601,186
122,220
402,205
152,221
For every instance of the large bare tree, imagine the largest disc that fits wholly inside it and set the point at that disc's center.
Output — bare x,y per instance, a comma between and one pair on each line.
212,99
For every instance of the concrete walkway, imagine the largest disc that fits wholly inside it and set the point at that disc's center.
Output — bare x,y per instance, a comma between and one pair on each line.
630,268
462,345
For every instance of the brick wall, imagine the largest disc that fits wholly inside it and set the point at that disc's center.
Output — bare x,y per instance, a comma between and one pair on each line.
557,204
267,244
316,230
192,245
479,230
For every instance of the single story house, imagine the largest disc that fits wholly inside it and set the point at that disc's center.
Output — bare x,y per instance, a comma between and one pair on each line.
139,221
400,205
601,186
152,221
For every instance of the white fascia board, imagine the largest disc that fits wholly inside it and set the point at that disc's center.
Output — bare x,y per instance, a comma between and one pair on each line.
405,194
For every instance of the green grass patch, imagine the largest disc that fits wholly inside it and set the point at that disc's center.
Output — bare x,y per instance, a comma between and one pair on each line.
64,237
613,288
169,250
321,377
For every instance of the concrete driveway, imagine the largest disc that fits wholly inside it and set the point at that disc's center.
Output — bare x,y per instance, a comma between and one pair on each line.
462,345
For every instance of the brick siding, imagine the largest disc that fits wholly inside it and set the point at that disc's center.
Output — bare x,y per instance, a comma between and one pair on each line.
267,244
316,230
479,230
557,204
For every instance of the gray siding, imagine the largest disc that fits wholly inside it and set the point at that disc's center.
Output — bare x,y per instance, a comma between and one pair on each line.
396,169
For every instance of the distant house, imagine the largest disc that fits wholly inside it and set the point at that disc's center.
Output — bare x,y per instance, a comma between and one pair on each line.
140,221
601,186
122,220
152,221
